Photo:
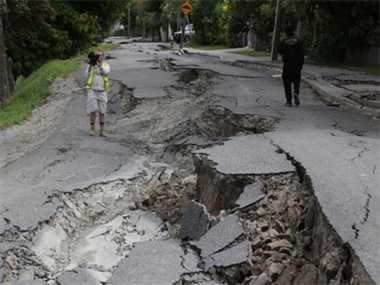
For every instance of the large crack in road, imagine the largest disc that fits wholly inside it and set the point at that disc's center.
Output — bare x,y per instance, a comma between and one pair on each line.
174,216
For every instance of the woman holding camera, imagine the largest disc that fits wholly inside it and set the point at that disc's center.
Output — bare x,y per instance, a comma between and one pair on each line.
97,87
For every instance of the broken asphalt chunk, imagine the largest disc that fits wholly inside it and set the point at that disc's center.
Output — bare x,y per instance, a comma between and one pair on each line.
198,278
80,277
195,221
220,235
251,194
152,262
235,255
26,282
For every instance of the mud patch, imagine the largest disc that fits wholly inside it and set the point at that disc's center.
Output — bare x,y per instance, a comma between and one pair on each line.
218,122
94,228
190,75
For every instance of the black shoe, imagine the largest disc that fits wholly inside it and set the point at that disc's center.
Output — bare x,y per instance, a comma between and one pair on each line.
288,104
296,100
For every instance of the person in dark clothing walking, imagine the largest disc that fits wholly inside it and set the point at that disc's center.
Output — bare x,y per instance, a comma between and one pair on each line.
291,49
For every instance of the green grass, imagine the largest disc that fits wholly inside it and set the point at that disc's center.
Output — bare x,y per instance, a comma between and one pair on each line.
107,46
33,91
251,52
103,46
205,47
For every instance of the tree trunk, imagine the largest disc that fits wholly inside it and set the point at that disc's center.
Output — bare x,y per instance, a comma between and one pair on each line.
182,32
315,26
11,79
142,19
299,29
163,35
4,77
170,32
251,35
178,21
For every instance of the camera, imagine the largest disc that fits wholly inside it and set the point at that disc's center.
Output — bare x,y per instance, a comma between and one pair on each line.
93,58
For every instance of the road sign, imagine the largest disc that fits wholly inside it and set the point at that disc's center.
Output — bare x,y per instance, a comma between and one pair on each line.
186,8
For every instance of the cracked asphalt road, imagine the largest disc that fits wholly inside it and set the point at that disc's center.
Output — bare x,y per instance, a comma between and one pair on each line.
342,165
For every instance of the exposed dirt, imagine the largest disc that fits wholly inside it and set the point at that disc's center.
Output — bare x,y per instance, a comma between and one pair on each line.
291,240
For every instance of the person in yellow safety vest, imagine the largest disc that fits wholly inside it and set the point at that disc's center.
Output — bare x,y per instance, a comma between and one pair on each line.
97,87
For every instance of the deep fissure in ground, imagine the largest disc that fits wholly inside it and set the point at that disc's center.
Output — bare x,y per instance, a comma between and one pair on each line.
290,240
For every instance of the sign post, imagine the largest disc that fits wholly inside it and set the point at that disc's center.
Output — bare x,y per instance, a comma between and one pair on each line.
186,8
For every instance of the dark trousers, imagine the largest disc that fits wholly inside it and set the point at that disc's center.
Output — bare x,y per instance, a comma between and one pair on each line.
290,77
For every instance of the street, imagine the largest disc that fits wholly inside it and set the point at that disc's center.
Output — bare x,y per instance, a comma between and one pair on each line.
189,130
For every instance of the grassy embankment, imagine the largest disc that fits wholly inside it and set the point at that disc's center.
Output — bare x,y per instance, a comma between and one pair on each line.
204,47
242,51
251,52
33,91
370,69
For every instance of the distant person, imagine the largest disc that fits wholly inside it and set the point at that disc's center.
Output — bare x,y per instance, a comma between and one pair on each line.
97,87
291,49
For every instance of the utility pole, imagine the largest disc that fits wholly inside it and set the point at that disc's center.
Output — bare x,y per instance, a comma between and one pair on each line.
129,21
276,32
4,78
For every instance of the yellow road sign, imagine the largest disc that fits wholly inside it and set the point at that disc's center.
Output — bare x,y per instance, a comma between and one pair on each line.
186,8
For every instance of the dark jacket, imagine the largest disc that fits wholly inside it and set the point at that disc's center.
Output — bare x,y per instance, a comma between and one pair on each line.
292,53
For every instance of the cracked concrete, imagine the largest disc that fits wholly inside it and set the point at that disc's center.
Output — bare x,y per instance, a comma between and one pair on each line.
239,155
80,277
345,188
252,194
234,255
196,221
220,236
162,267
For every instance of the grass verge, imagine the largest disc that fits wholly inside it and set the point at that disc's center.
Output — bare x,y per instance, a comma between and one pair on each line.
251,52
33,91
205,47
370,69
103,46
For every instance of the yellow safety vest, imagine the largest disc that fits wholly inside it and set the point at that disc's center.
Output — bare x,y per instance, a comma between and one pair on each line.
90,79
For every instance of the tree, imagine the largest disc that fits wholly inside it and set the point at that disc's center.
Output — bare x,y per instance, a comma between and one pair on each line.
207,22
4,78
337,26
245,14
107,12
37,31
28,33
78,29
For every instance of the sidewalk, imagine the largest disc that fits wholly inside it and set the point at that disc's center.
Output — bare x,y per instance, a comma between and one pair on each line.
335,86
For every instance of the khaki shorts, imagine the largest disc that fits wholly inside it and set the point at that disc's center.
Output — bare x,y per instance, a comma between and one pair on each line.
96,101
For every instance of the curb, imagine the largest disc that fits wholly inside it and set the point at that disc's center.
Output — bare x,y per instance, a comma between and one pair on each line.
331,98
327,92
